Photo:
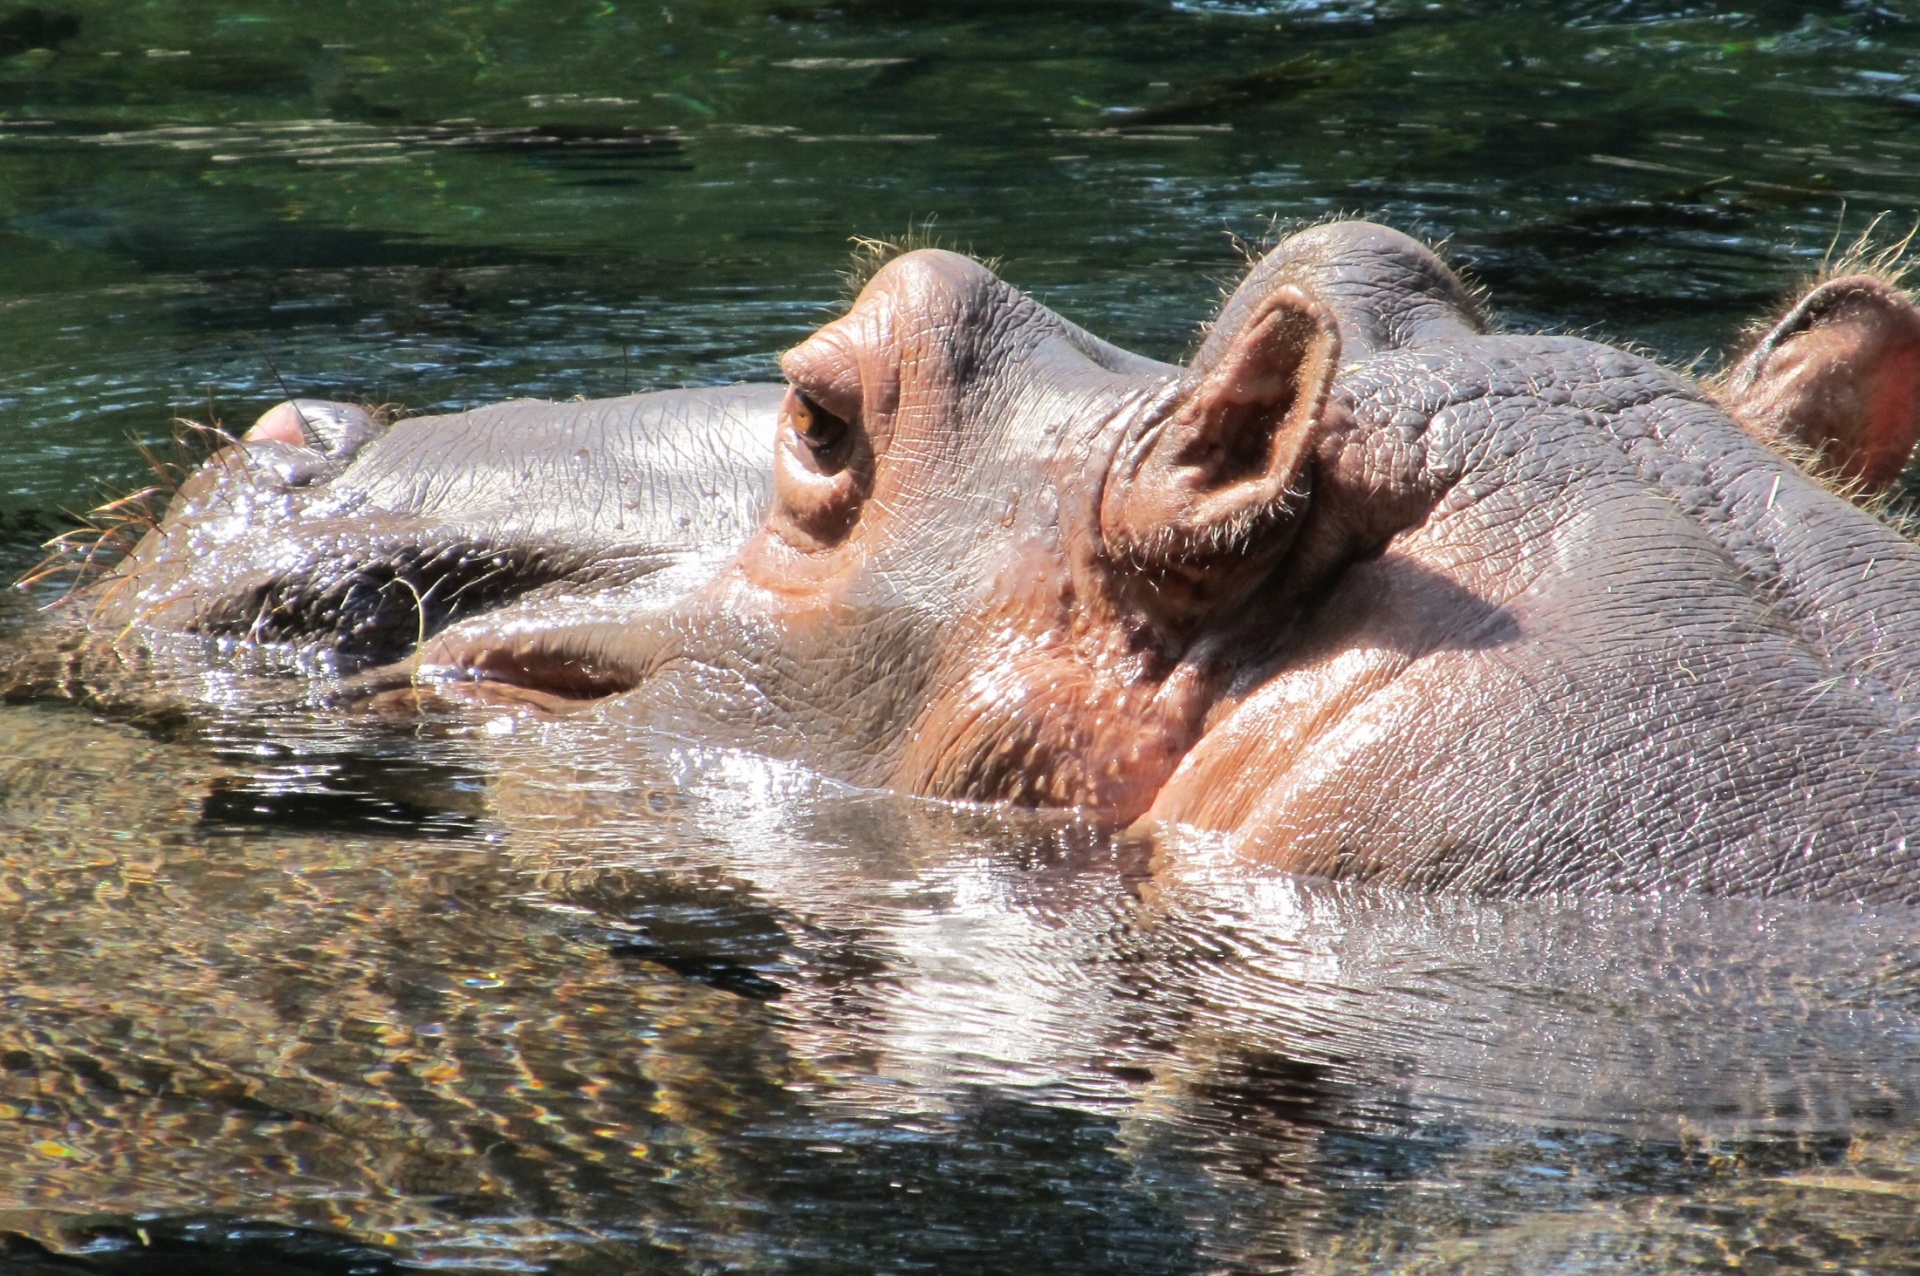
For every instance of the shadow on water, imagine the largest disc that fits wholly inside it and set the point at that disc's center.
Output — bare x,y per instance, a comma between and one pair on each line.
285,990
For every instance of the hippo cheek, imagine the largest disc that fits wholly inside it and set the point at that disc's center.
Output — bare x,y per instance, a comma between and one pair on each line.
1022,707
1040,731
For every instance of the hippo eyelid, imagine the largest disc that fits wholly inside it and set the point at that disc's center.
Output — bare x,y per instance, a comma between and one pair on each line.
818,428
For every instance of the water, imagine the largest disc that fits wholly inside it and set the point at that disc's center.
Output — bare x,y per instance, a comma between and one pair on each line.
293,992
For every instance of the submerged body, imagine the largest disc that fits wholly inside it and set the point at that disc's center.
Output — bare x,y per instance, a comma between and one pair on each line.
1367,589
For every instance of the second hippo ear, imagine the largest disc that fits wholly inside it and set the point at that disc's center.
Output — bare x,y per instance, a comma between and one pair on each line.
1840,376
1211,496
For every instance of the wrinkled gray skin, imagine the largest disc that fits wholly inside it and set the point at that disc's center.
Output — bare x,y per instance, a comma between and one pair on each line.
1531,613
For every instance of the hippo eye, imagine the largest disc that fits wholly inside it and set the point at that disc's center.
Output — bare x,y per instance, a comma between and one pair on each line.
818,428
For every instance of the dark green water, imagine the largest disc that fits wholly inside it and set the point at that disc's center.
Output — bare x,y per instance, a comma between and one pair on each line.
301,994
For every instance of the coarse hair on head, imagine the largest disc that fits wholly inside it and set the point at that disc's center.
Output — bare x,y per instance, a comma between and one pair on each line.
870,254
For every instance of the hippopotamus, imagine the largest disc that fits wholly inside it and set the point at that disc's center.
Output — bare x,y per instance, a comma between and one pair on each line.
1368,588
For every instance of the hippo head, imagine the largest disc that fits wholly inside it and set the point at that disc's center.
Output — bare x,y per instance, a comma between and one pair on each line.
1366,588
999,550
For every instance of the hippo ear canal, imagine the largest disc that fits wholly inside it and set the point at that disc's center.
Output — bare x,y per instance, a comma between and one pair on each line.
1221,481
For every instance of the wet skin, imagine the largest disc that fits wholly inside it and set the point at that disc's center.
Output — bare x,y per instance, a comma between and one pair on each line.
1367,589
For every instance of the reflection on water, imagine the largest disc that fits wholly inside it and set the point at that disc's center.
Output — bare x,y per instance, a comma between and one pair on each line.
293,991
649,1004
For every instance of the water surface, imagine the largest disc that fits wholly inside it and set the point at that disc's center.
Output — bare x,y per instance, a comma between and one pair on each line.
298,992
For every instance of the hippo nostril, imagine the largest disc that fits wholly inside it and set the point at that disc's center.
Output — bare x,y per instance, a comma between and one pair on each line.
335,430
291,466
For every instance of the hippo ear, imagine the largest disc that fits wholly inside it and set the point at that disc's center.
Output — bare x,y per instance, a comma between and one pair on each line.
1212,495
1839,375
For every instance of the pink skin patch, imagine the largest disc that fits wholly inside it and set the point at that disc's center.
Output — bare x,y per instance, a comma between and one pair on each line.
281,423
